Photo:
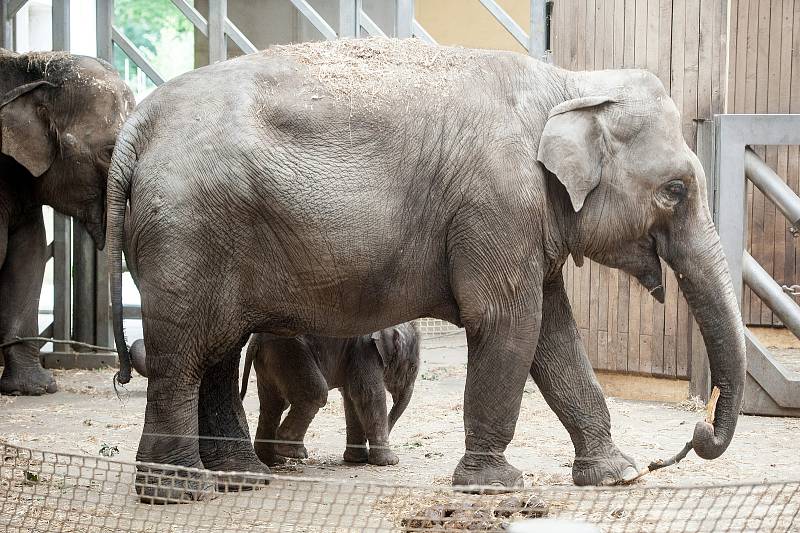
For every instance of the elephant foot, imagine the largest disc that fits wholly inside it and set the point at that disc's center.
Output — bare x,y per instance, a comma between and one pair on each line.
610,468
30,381
292,451
382,456
487,474
159,487
356,453
238,473
266,454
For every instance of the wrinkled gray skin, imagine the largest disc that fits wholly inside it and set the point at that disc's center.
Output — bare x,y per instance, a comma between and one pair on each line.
461,204
298,372
59,117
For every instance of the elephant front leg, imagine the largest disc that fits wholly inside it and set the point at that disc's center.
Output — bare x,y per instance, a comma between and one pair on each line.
21,275
224,435
368,398
564,375
356,451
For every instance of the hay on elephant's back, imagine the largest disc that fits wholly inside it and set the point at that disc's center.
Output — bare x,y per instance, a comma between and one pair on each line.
376,68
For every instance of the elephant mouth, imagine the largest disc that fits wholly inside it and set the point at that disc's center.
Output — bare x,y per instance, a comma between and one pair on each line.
647,269
97,230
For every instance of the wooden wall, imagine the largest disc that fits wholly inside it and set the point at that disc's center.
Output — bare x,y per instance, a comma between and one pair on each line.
764,77
684,43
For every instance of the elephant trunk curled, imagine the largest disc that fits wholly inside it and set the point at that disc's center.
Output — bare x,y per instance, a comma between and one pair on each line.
704,278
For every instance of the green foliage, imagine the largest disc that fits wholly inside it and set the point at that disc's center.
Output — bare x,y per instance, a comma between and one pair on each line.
161,33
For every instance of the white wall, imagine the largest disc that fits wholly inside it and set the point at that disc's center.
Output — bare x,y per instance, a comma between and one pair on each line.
34,30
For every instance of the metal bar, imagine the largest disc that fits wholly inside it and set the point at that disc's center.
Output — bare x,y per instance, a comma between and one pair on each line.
217,43
132,52
83,308
311,14
103,334
133,312
772,186
239,38
771,293
62,277
403,18
14,6
105,21
49,252
60,10
6,26
730,202
347,18
509,23
537,37
368,24
420,33
192,14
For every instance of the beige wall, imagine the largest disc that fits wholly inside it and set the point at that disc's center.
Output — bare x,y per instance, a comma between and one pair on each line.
468,23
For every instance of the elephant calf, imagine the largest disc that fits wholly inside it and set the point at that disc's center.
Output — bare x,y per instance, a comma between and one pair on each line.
300,371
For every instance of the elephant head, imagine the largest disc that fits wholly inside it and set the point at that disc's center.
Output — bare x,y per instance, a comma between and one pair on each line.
398,347
60,122
634,193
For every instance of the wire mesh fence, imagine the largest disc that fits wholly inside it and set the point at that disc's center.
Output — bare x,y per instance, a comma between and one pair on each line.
50,491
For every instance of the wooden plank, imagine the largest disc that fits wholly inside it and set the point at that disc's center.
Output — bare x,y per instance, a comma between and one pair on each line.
613,305
580,33
593,312
741,15
622,321
682,339
640,52
653,16
590,35
602,316
690,65
630,33
619,35
670,323
665,44
757,245
791,260
599,33
634,318
773,105
704,62
608,47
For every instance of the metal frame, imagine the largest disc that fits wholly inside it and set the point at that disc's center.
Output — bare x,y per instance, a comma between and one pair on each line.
771,389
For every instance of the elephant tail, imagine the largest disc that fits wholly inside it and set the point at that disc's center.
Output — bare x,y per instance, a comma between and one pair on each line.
252,350
119,187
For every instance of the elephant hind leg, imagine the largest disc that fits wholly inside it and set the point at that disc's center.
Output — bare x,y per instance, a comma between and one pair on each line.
271,407
306,389
224,435
564,375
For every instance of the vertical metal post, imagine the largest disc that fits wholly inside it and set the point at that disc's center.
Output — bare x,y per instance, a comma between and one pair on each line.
217,44
730,202
62,225
6,27
348,19
403,18
83,285
104,10
105,50
537,34
61,25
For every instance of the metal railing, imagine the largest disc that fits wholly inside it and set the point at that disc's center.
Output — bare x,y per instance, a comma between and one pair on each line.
771,389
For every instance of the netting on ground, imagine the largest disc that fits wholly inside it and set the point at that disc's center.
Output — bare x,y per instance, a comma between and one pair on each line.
47,491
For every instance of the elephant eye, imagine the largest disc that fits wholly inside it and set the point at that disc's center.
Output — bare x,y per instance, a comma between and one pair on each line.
676,188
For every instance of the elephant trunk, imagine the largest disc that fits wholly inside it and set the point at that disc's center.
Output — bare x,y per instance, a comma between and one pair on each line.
704,279
400,401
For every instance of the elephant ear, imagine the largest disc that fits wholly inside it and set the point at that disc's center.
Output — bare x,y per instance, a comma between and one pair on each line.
387,341
24,130
572,146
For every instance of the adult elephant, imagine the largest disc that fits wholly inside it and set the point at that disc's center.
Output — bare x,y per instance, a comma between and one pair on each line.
59,118
338,188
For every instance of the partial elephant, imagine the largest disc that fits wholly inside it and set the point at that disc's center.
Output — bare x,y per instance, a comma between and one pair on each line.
59,118
298,372
336,188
